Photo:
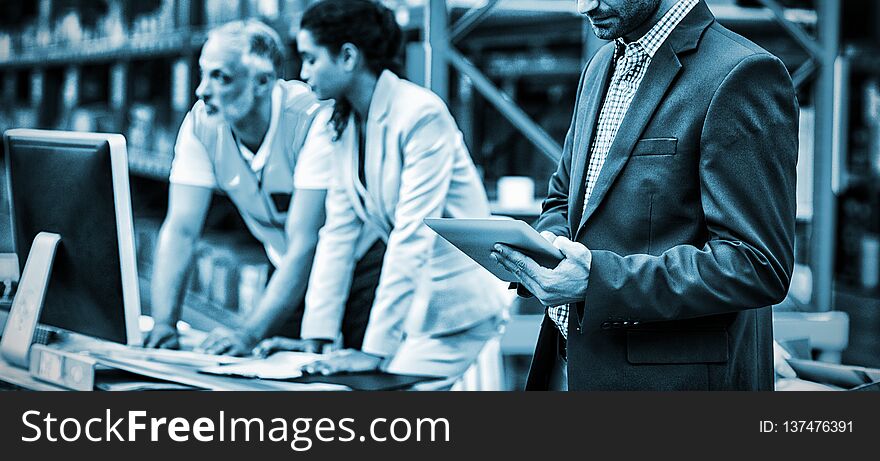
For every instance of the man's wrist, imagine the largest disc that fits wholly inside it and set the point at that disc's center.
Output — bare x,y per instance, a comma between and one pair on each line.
253,332
165,322
247,336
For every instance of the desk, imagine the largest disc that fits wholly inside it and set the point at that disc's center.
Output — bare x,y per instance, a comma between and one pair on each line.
22,378
136,371
166,372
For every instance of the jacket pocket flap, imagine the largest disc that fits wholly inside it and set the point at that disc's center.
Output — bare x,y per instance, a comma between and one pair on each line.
669,347
655,146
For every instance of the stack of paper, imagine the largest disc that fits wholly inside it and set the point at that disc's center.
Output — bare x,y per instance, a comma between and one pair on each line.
281,365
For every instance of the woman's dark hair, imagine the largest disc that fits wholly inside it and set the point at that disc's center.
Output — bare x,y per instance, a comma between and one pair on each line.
366,24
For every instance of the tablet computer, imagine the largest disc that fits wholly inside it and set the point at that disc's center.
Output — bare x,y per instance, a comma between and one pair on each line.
476,237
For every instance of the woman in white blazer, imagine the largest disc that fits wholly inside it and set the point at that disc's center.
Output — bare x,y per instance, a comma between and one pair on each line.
399,158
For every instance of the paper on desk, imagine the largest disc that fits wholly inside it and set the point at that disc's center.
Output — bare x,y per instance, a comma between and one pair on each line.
143,386
172,357
281,365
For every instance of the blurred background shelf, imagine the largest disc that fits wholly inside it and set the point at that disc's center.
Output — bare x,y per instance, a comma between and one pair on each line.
149,164
172,43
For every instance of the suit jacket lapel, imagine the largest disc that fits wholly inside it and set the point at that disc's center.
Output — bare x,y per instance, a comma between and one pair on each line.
662,71
587,112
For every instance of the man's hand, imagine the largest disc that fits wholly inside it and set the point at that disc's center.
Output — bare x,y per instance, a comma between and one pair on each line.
521,290
549,236
346,360
565,284
163,336
228,342
269,346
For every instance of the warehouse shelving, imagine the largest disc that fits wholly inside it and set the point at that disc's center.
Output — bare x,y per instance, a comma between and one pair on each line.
171,43
150,164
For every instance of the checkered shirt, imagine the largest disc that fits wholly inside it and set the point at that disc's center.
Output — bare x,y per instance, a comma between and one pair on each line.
629,69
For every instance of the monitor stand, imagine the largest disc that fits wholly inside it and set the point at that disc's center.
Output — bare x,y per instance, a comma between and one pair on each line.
28,302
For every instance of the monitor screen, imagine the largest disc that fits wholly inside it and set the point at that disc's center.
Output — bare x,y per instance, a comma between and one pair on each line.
76,185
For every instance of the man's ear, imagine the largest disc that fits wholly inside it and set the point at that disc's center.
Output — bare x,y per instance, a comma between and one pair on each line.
350,57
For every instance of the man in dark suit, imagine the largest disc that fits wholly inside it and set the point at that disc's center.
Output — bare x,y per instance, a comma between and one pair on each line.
674,204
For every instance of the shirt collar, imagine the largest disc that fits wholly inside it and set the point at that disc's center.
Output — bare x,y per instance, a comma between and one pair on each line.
258,159
651,41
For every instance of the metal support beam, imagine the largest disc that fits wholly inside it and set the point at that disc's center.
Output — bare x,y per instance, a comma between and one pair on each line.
803,73
796,31
506,106
436,45
470,20
839,176
823,52
822,242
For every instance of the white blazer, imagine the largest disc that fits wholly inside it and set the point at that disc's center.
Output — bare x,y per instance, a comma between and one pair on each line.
416,166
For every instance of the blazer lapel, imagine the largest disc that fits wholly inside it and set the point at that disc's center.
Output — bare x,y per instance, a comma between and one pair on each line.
662,70
374,144
373,163
585,124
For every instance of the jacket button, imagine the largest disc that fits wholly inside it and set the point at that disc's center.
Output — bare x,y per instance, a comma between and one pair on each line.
606,325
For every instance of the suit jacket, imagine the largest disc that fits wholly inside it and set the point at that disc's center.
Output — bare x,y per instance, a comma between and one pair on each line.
416,166
690,225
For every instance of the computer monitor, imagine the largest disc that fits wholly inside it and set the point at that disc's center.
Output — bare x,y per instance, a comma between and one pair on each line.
76,185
